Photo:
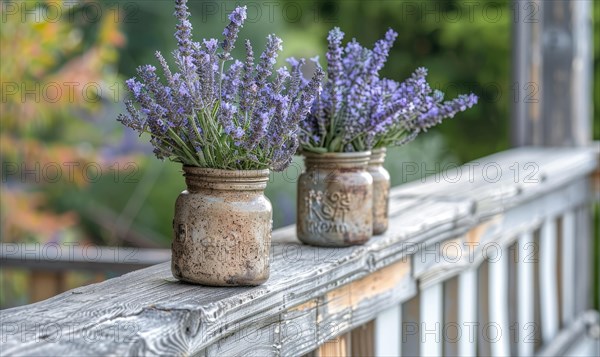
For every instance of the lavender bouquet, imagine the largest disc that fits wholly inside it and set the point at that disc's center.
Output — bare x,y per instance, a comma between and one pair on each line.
216,112
358,111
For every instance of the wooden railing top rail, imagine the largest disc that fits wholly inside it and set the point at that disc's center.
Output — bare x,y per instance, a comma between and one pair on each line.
88,257
313,293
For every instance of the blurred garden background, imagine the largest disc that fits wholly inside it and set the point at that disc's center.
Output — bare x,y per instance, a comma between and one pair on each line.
72,173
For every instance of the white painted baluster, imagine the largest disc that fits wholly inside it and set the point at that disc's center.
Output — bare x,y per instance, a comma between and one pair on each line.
432,305
548,283
467,312
498,306
525,295
583,247
568,267
388,332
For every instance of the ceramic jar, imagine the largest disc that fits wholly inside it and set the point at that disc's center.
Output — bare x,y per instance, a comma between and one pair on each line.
381,191
335,198
222,228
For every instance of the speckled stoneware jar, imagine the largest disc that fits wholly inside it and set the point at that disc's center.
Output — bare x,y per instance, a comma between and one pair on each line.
335,198
222,228
381,191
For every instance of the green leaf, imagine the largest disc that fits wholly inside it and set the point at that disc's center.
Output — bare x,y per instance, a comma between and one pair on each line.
335,144
317,150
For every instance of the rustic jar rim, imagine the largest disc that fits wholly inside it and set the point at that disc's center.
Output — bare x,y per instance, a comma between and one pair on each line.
377,156
350,159
236,180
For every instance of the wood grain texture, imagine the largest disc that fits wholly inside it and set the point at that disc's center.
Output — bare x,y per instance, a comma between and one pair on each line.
314,294
362,340
338,347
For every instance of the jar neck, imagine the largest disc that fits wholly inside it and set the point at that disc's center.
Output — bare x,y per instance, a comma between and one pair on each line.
337,160
377,157
199,178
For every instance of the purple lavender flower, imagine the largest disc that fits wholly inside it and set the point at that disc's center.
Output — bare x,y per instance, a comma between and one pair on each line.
296,75
282,76
248,89
237,18
184,27
268,59
335,68
232,81
437,112
258,129
135,87
226,116
134,120
380,54
165,68
357,110
220,114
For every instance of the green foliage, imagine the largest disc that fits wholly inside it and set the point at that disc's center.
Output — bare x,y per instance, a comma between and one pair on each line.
465,48
596,89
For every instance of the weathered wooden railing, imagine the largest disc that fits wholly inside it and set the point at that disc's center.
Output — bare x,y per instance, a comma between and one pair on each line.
490,258
49,264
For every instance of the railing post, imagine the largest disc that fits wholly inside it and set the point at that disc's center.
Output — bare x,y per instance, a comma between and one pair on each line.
552,106
552,71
